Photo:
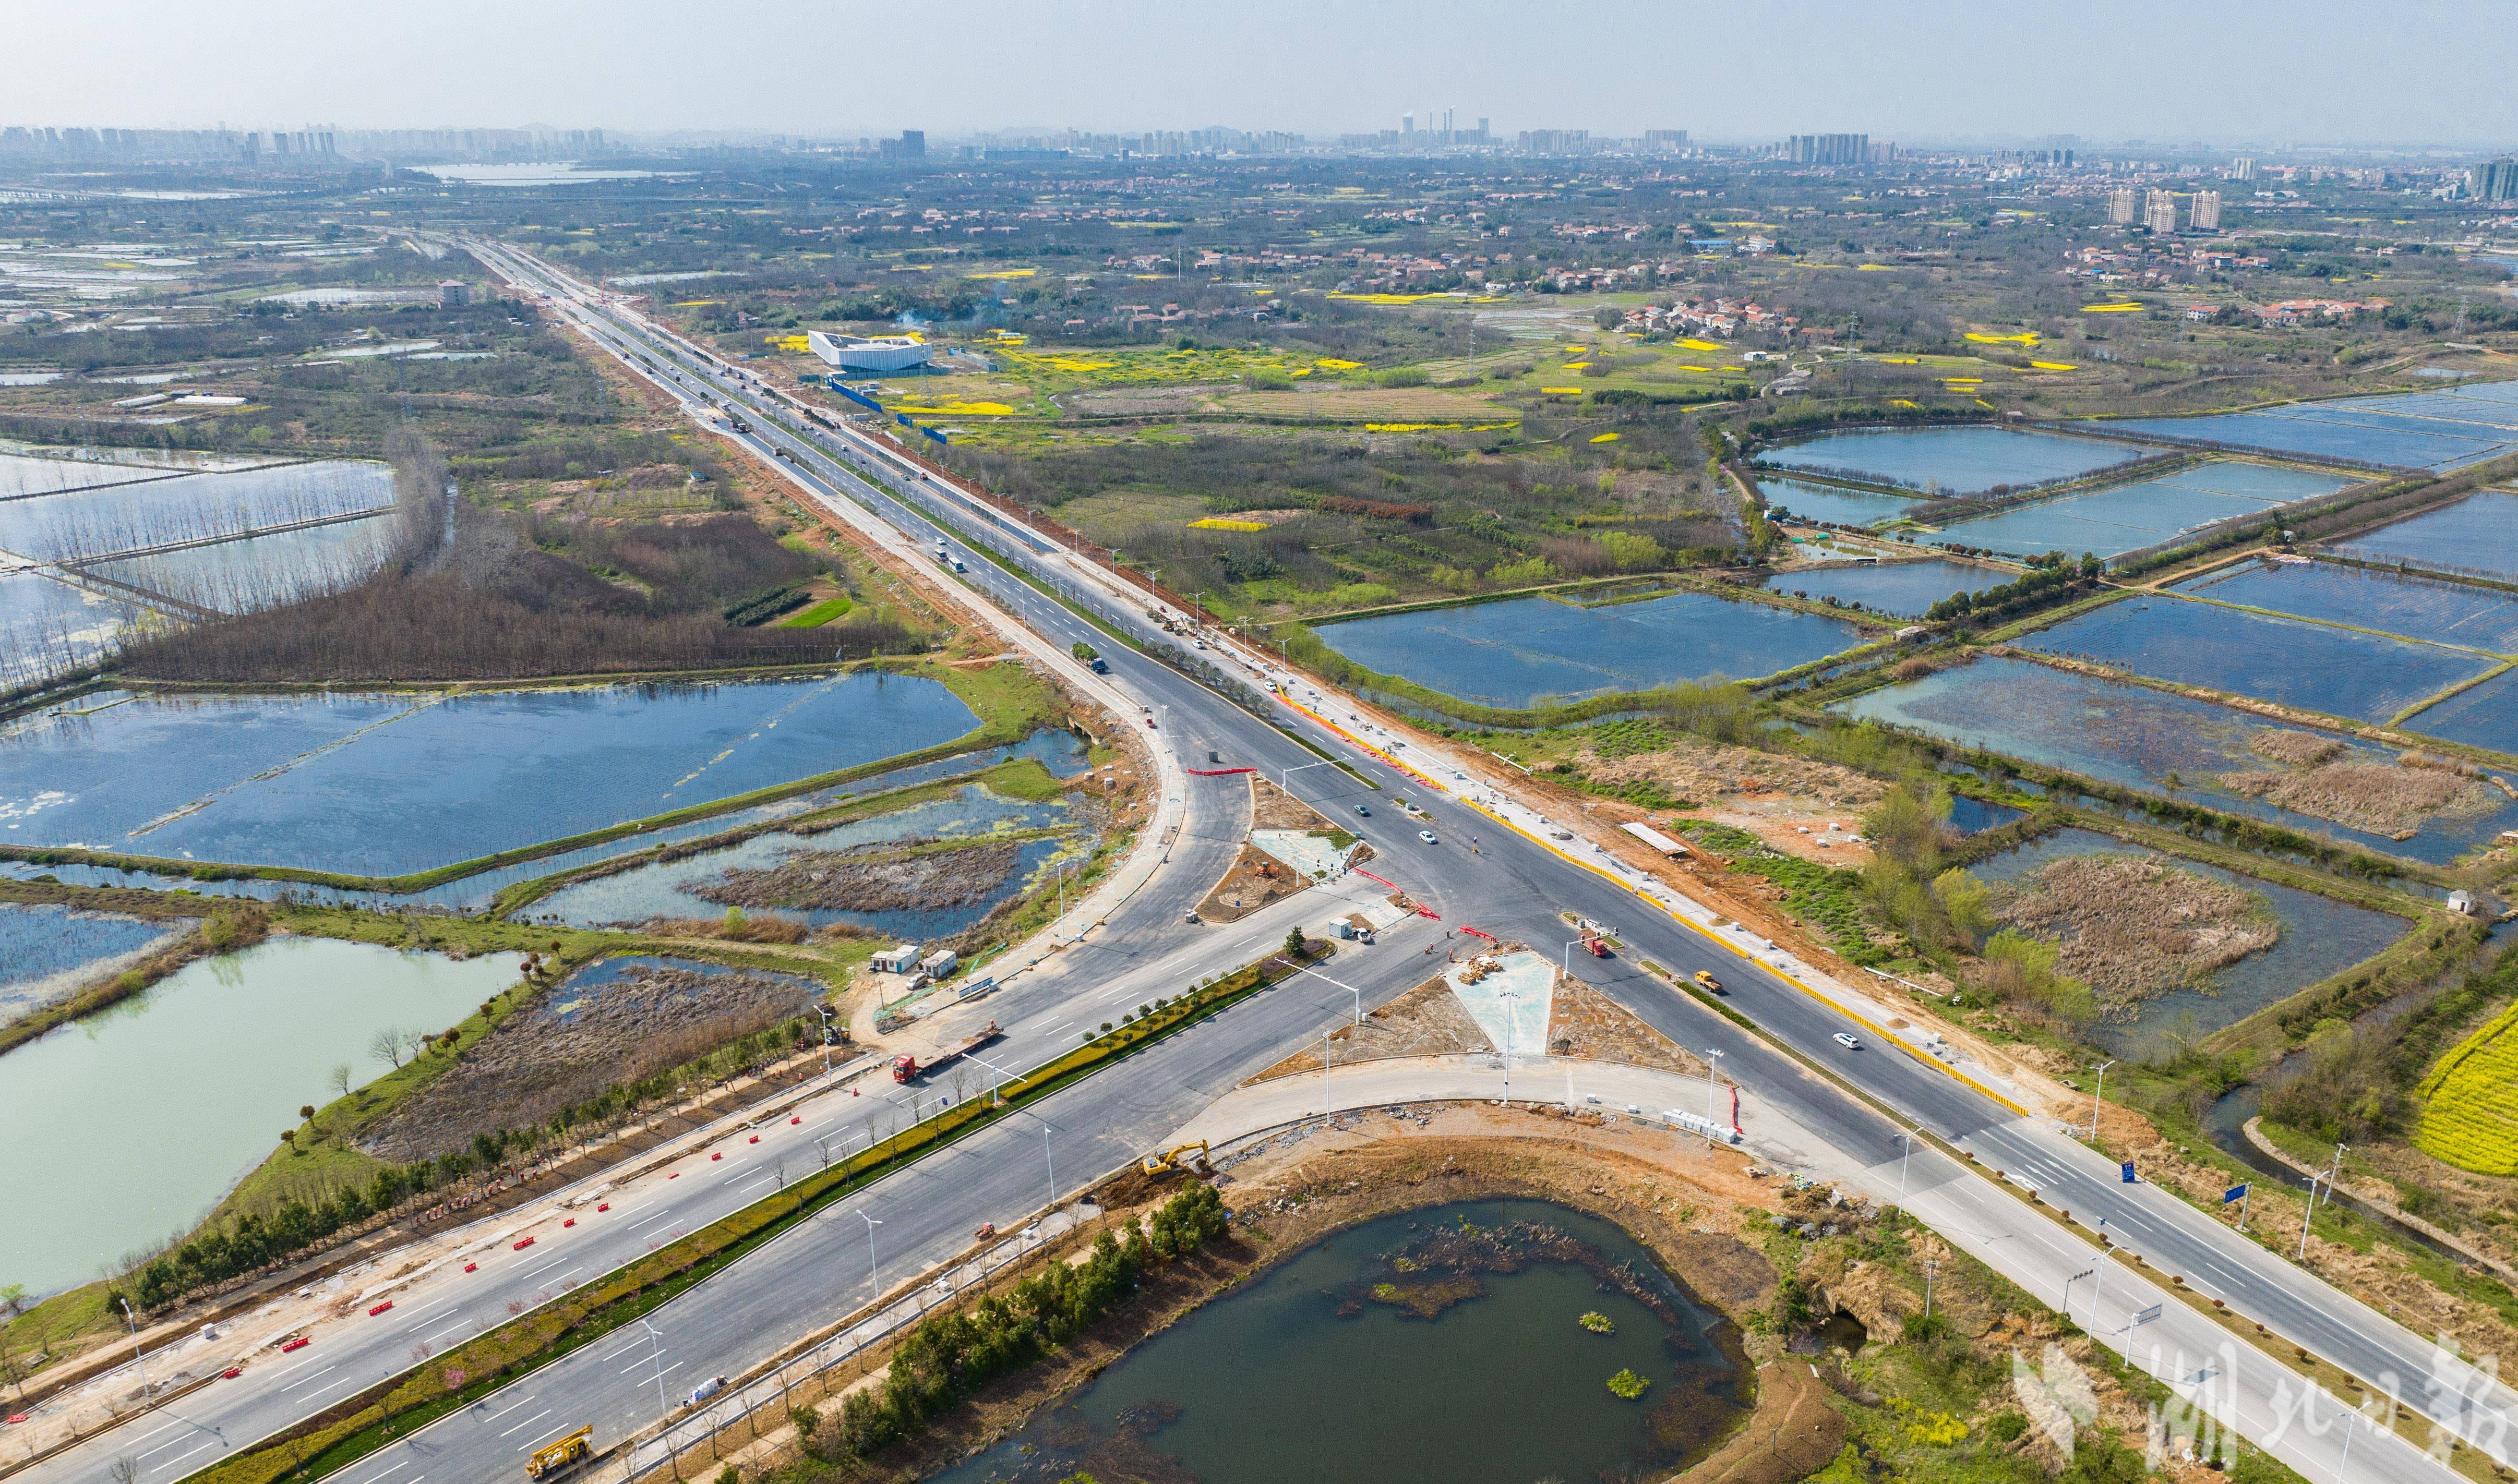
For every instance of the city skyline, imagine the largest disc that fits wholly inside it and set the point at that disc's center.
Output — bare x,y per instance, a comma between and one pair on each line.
2130,71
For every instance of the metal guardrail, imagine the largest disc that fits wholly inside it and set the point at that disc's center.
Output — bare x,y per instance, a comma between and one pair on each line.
792,1382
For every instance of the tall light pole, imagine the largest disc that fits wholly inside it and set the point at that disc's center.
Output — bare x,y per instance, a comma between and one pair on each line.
656,1359
1049,1163
1510,1000
2098,1289
1931,1269
872,1272
826,1038
129,1319
1905,1137
2099,1098
2310,1210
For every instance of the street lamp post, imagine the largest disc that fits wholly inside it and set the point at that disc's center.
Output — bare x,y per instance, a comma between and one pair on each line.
2100,1096
2098,1288
1931,1269
2303,1219
872,1272
1906,1138
1509,999
656,1359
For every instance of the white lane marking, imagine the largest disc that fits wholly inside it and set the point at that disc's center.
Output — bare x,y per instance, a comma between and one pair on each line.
528,1422
293,1386
526,1401
641,1206
652,1220
169,1428
162,1447
531,1441
626,1349
404,1463
181,1456
347,1381
555,1263
448,1330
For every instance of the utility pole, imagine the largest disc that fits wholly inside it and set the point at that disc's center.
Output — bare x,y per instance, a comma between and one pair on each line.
872,1271
1931,1269
2304,1214
656,1359
1711,1080
1905,1137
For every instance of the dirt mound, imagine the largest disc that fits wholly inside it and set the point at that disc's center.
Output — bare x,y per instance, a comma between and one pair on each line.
1710,772
2132,927
878,878
575,1044
2365,795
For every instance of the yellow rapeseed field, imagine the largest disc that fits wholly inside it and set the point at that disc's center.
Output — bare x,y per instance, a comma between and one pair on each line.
1218,522
2470,1101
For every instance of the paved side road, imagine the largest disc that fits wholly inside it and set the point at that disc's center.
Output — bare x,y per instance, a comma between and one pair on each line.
2219,1385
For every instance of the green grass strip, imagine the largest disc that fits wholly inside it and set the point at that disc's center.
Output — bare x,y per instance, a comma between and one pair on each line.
446,1384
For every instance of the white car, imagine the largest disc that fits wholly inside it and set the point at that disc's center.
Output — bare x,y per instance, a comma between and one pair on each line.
1427,836
1848,1041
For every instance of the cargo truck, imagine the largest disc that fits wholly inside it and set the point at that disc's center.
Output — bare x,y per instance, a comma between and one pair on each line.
906,1069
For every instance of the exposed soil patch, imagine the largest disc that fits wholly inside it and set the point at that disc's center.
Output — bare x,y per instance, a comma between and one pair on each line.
1256,880
573,1046
1585,1023
1789,802
1273,808
1426,1021
2132,927
893,876
2365,795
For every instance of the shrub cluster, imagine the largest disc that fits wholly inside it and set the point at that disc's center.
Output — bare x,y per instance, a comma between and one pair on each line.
948,1356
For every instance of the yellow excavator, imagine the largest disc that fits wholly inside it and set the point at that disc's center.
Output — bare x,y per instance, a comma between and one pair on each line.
1163,1161
560,1455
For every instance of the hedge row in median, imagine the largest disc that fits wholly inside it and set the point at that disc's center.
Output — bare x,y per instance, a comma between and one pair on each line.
445,1383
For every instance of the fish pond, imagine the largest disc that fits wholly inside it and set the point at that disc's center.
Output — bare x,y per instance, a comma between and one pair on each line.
161,1103
2292,662
2477,534
1903,588
895,874
1801,500
2481,716
2445,429
1446,1345
1951,462
2415,607
2178,746
189,507
2121,518
386,784
47,951
2318,936
1517,652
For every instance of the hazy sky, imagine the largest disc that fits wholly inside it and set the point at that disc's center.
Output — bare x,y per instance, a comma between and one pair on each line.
2297,70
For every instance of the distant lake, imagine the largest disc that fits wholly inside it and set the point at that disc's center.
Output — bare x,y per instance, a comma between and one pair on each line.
2119,517
1512,653
555,173
2445,429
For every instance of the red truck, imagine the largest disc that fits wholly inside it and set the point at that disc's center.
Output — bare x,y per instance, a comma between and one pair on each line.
905,1068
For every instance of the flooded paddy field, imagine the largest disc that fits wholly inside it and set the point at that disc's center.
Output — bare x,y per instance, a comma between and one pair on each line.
613,1021
1826,503
2445,429
128,516
386,784
860,873
40,469
1516,651
2477,534
2483,716
2415,607
2175,746
162,1103
2315,667
1950,462
2170,944
1903,588
50,628
260,572
1444,1345
48,951
1059,751
2122,518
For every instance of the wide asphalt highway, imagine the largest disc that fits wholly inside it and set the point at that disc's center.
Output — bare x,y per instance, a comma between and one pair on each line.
1515,885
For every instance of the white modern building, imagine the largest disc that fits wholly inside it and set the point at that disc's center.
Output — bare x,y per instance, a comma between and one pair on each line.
861,352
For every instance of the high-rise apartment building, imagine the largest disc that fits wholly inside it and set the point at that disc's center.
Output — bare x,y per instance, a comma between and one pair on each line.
2123,207
1828,149
1665,141
2243,168
2205,213
2494,180
2159,213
